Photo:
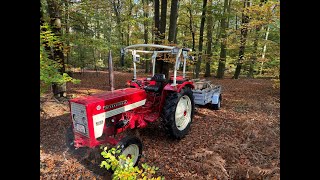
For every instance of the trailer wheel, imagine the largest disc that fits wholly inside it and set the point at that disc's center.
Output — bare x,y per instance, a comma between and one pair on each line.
217,106
130,146
178,111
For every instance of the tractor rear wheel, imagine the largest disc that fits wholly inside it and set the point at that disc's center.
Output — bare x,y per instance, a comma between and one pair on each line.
178,111
130,146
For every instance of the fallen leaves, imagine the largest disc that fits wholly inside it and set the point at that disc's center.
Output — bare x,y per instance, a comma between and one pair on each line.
239,141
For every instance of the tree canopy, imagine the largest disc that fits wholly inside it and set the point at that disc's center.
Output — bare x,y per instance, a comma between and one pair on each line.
213,29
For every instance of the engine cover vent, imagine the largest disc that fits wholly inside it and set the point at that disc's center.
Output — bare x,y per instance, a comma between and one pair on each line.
79,118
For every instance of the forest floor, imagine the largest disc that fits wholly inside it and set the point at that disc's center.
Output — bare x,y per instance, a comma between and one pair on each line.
239,141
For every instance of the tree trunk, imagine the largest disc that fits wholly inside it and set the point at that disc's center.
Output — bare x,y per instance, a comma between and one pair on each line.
218,35
128,34
156,21
42,22
192,29
95,61
203,18
255,47
236,22
243,39
97,34
161,66
254,53
175,36
223,51
108,30
67,30
118,19
264,50
81,57
128,26
116,8
209,39
152,32
172,33
41,14
55,22
145,25
163,20
173,21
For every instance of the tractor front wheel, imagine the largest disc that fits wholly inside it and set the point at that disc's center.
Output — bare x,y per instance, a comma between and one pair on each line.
69,138
130,146
80,152
178,111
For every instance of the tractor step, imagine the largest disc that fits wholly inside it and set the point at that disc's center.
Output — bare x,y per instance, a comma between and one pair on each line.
151,117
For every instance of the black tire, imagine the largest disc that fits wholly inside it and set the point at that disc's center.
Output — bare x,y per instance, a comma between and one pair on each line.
70,144
217,106
70,138
127,141
169,110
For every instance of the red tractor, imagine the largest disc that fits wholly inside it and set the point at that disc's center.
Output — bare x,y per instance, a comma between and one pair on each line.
102,118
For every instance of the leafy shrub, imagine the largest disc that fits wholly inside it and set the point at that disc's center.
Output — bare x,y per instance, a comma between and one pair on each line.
126,170
49,69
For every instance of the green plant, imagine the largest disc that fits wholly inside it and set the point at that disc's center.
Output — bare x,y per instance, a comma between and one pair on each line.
123,168
49,69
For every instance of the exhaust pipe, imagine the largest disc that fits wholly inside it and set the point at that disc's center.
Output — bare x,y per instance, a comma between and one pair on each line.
111,79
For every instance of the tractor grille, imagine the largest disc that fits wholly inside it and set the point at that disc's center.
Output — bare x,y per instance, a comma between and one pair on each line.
79,118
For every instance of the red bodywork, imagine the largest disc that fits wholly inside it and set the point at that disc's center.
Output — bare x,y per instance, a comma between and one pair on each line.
121,109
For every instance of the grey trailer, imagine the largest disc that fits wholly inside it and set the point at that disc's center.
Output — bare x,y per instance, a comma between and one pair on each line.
205,92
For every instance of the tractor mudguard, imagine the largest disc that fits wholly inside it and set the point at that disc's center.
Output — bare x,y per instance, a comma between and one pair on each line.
178,87
215,98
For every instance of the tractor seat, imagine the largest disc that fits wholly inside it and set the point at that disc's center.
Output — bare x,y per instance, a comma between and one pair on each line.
160,79
152,88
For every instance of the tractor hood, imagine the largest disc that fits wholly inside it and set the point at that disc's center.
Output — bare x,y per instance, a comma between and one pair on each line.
121,100
90,112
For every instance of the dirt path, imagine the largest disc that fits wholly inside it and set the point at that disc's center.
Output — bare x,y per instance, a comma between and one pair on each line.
240,141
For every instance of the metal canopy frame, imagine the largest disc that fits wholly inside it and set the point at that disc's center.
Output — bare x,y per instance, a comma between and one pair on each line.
134,49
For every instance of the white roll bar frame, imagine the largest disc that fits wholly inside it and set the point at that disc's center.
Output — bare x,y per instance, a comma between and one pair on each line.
154,53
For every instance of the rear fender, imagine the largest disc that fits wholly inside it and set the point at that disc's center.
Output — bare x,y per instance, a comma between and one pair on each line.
178,87
187,83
